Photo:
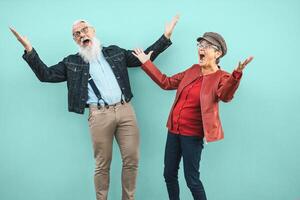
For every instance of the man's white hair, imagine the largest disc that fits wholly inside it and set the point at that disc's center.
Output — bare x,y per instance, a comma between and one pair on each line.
80,21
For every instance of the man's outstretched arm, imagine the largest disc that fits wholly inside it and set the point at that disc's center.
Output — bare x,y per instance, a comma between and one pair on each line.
157,47
55,73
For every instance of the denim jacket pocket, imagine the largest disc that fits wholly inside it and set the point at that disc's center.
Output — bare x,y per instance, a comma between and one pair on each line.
74,71
118,59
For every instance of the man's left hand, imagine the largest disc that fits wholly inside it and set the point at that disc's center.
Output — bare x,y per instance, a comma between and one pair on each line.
170,26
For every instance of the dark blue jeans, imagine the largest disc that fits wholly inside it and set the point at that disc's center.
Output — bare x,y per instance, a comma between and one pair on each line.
189,148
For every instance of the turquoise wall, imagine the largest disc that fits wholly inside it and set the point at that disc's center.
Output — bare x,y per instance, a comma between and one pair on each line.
46,152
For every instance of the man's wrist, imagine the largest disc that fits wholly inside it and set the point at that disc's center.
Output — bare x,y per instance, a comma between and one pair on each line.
168,36
28,49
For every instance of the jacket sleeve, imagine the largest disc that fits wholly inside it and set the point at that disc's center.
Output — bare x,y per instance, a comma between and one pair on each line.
228,85
157,47
165,82
54,74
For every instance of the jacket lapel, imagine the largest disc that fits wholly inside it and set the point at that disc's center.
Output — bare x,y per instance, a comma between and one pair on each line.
191,74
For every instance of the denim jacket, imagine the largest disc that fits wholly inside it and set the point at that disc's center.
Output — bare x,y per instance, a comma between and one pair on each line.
75,71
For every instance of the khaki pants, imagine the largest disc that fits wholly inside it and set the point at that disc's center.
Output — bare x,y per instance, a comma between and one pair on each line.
117,121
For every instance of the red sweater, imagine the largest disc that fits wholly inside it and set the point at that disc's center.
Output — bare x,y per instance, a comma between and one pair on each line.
187,111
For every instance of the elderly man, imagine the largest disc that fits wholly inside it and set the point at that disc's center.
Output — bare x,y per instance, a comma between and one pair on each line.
97,77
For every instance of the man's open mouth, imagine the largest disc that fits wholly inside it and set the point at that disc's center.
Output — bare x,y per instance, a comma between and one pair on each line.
85,41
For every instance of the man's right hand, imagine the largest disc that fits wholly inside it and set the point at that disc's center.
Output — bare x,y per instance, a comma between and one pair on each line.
22,39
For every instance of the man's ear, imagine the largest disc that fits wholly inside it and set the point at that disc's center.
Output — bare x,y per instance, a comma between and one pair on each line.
93,29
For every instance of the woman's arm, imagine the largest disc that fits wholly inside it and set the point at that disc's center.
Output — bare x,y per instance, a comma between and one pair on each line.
230,82
228,85
165,82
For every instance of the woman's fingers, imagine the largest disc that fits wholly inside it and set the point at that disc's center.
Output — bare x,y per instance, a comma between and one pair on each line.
140,54
241,66
140,51
137,51
248,60
134,54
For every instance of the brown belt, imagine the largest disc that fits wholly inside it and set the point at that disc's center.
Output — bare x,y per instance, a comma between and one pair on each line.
108,106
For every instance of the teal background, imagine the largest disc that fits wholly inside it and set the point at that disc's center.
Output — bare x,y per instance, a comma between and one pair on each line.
46,152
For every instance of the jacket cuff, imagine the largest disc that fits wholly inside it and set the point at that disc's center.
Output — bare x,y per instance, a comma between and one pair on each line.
146,64
237,75
30,55
165,40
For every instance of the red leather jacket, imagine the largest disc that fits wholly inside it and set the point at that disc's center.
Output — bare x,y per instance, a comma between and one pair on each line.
215,87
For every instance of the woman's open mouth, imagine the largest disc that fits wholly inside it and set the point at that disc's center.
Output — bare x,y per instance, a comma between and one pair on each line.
202,56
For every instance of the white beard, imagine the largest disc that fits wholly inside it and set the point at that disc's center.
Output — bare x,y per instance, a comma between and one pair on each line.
90,53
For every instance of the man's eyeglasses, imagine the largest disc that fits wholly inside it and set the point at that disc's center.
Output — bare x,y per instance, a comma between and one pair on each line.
83,30
206,46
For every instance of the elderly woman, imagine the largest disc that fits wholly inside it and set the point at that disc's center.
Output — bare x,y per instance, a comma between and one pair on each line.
194,115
